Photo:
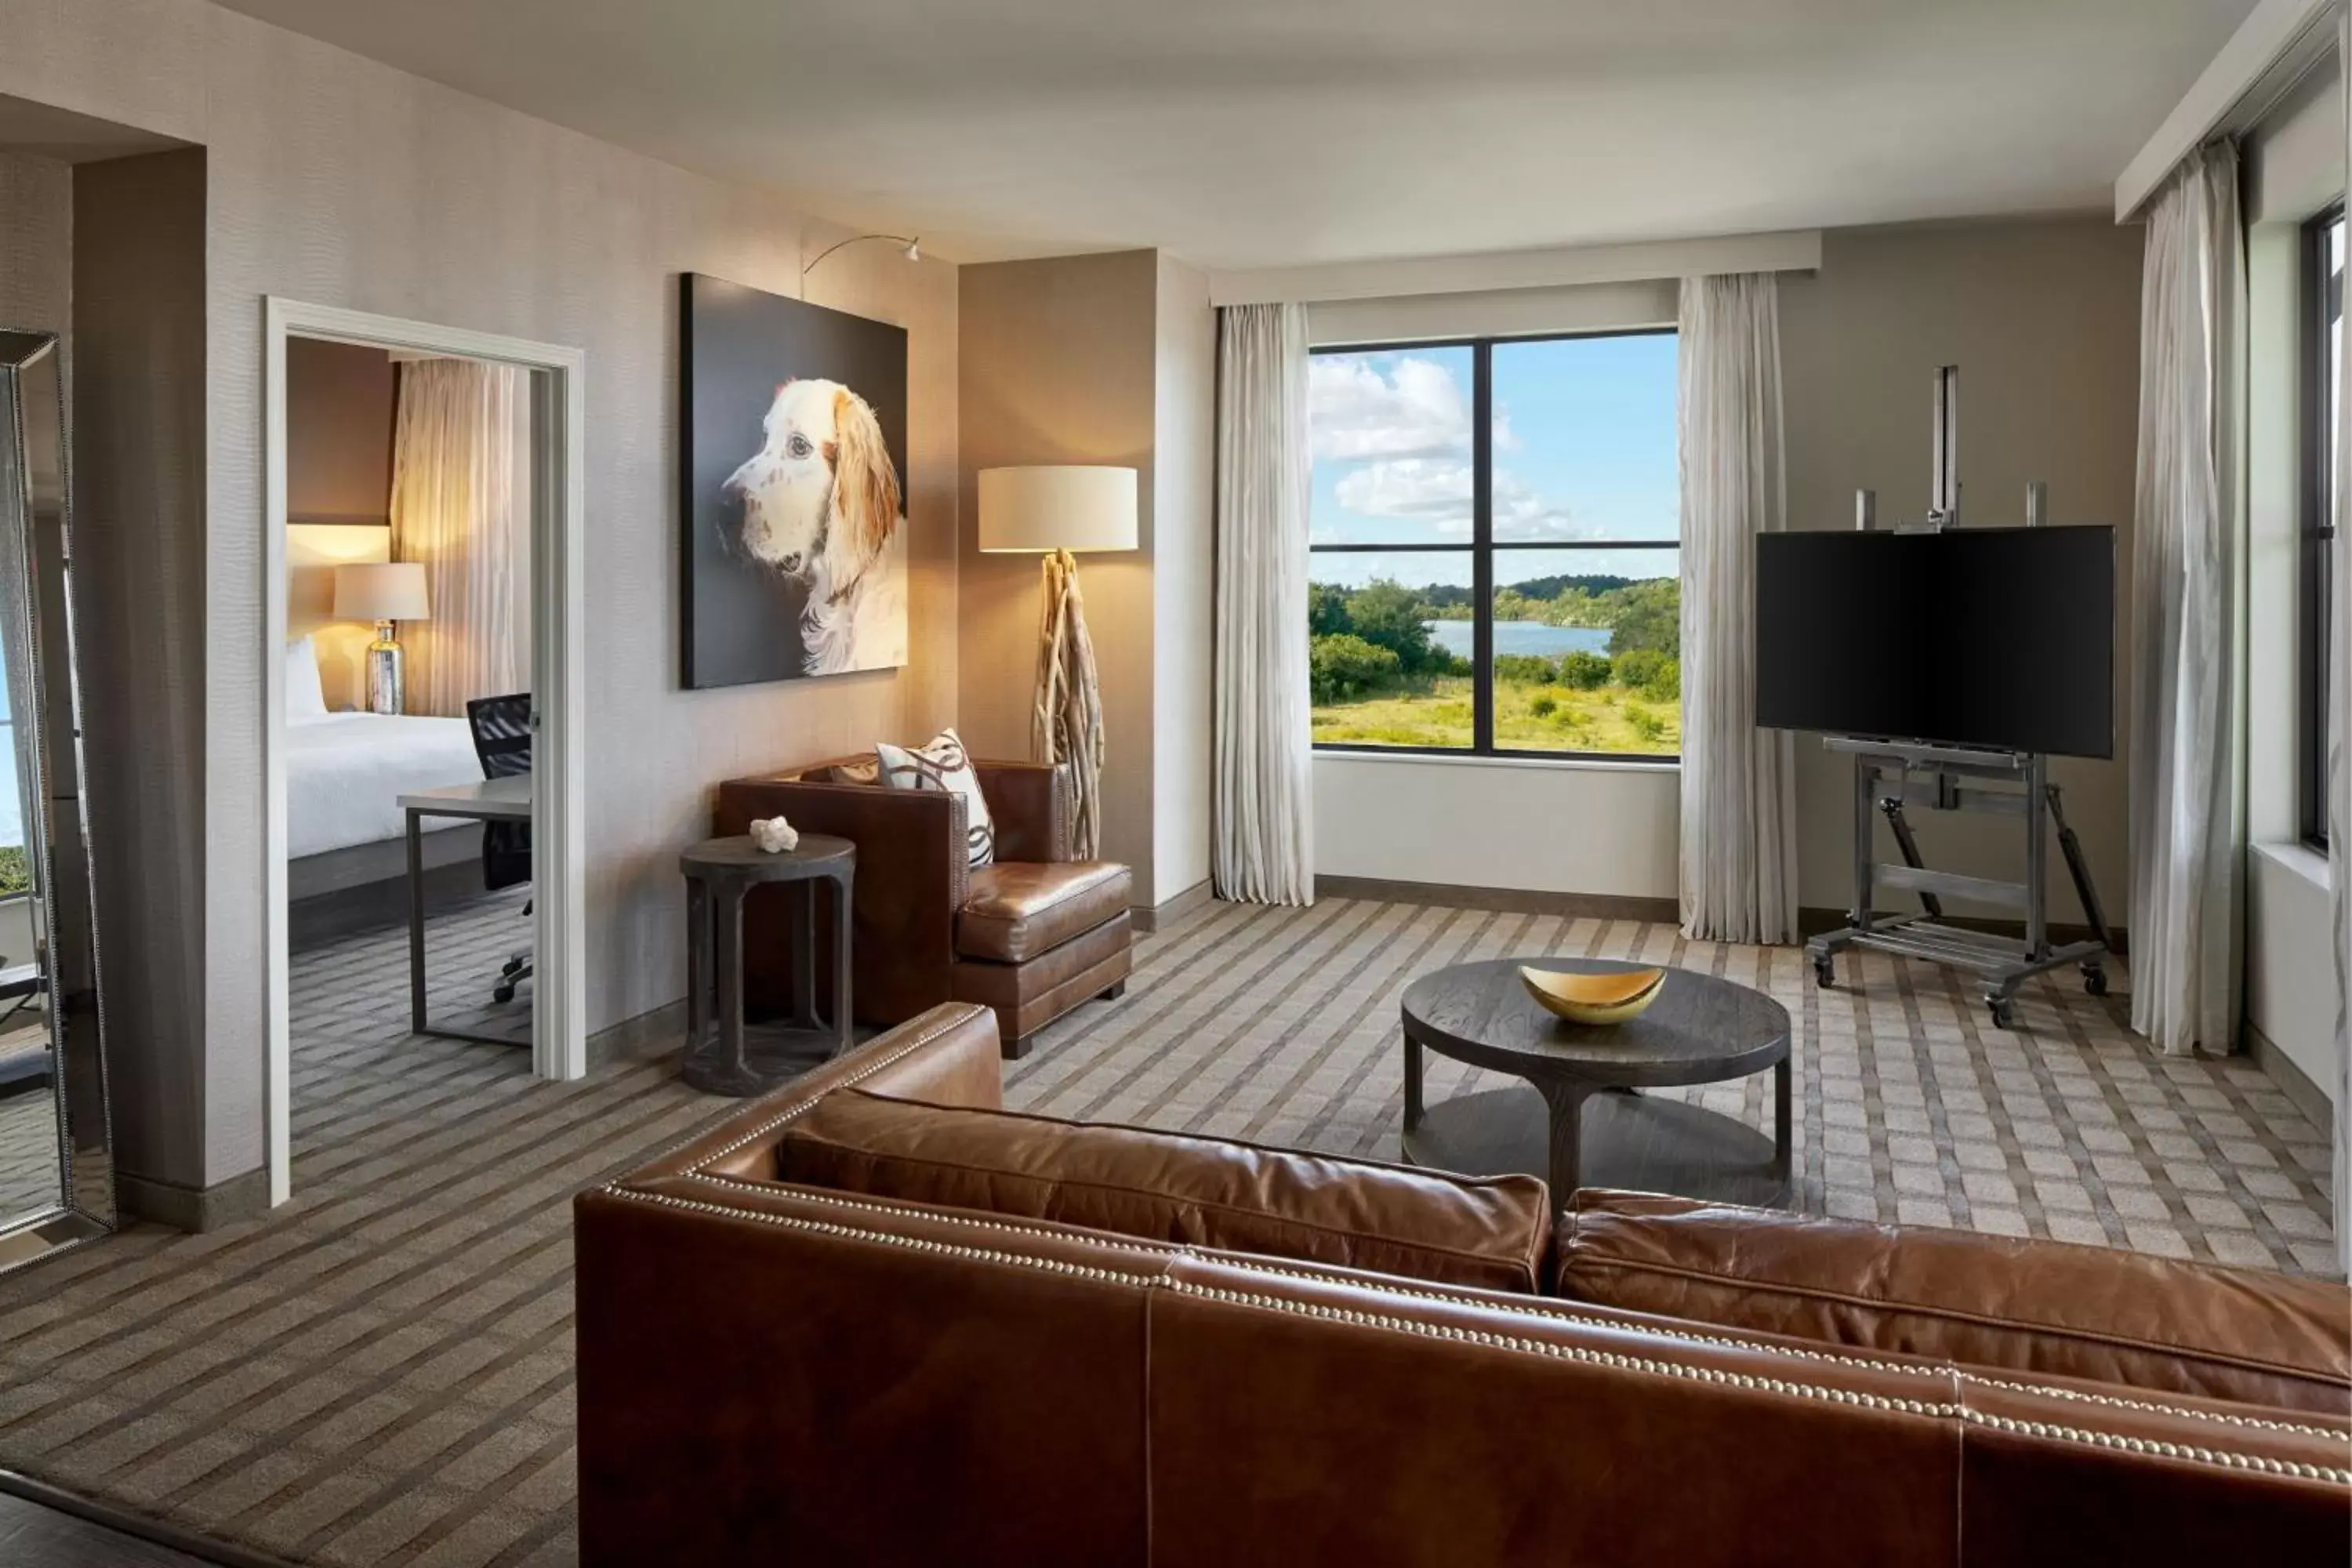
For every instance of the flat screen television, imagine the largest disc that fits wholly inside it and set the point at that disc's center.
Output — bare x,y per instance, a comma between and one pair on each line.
1997,637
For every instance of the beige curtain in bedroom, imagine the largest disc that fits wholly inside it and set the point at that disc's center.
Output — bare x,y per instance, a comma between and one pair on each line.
458,468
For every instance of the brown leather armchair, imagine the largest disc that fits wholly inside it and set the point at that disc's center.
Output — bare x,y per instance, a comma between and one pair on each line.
1029,937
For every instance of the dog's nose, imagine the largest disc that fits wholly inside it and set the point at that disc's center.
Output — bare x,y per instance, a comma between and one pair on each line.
791,562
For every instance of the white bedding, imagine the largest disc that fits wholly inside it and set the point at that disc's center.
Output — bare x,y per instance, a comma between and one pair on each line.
345,773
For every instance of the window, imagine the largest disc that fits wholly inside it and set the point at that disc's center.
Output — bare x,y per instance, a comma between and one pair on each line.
2323,357
1495,547
16,876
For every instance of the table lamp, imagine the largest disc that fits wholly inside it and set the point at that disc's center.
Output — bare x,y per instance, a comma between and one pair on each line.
1058,510
383,592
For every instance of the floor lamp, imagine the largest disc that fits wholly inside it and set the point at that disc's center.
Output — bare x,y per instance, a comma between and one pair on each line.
1059,511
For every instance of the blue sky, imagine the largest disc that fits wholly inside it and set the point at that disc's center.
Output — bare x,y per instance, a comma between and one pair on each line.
1584,449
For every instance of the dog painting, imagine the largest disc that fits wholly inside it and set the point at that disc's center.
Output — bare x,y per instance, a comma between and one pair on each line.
795,552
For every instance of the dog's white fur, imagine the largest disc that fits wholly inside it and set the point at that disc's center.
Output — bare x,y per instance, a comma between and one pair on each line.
821,503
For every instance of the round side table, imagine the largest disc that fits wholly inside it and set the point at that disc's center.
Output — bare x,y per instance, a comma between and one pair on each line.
732,1060
1581,1123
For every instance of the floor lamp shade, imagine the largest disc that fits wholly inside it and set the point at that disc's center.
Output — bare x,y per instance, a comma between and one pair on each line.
1056,510
383,591
1066,507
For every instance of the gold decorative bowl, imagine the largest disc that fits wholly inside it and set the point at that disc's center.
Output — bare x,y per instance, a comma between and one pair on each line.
1610,998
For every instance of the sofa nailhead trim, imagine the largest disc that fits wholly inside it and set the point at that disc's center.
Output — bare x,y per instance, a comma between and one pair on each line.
1959,1411
1551,1309
949,1216
890,1239
2253,1423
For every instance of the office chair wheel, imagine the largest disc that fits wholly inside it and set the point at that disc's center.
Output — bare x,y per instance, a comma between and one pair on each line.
513,966
1825,971
2003,1010
503,993
2094,980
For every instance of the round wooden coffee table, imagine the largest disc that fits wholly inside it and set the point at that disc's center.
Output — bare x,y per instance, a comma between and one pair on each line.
1577,1121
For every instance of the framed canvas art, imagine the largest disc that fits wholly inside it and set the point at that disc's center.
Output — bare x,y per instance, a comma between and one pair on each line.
793,419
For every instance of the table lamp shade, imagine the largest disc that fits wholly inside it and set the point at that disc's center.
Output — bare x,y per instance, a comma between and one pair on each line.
1066,507
382,591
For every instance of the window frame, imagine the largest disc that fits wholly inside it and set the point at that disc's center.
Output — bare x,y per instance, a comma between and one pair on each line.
2323,300
1481,547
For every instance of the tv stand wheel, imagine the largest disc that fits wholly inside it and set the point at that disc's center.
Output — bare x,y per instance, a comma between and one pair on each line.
1825,970
2003,1010
2094,980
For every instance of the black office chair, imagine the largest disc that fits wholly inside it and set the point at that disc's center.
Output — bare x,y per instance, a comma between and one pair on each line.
501,727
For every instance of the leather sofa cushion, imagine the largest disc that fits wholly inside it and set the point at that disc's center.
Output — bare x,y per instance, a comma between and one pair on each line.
1019,909
2046,1308
1169,1187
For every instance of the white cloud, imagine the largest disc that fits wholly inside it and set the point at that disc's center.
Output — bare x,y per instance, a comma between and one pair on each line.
1413,489
1520,514
1418,410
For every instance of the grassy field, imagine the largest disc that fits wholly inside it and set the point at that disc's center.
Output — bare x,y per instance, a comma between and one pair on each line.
1437,712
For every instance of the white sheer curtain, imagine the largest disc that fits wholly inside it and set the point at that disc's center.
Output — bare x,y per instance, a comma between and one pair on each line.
1738,784
1263,846
2188,740
458,464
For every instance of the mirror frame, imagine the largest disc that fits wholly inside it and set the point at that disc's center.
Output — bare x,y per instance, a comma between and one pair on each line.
84,1208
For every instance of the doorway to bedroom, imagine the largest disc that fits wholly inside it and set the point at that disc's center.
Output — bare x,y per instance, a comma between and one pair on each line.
423,936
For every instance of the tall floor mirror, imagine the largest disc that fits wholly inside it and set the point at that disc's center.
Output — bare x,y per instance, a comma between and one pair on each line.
57,1169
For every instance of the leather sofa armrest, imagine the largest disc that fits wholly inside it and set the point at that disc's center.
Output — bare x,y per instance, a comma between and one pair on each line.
948,1056
1031,802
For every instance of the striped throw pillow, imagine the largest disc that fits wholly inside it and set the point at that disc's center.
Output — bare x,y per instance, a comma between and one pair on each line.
943,764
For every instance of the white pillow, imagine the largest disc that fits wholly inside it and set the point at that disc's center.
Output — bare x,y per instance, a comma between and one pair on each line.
943,766
306,699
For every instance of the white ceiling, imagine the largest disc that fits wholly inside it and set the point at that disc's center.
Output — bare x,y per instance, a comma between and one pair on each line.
1270,132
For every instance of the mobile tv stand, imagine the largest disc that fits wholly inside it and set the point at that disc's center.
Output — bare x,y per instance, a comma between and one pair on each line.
1890,776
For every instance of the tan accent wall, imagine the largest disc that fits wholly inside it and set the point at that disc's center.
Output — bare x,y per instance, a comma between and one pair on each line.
1057,363
2042,318
339,181
339,408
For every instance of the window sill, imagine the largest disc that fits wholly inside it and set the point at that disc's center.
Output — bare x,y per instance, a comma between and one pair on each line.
2298,859
1661,767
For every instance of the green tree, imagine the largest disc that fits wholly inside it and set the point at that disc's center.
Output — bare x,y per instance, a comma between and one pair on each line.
1647,615
1583,669
1525,669
1344,665
1393,616
1656,676
1327,609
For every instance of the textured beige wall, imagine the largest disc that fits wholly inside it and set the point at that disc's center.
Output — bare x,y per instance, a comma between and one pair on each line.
1183,563
338,181
36,242
1057,366
2042,318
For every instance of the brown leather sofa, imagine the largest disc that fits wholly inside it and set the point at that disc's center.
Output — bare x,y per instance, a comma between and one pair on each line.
872,1319
1031,936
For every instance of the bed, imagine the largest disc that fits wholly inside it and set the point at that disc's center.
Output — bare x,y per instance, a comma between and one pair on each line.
345,773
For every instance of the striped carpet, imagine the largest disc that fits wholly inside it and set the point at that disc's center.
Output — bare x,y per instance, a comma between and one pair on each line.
379,1372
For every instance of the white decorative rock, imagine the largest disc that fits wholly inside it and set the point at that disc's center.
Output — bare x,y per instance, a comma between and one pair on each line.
775,835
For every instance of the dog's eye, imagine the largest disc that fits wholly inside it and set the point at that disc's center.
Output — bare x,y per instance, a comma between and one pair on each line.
798,447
